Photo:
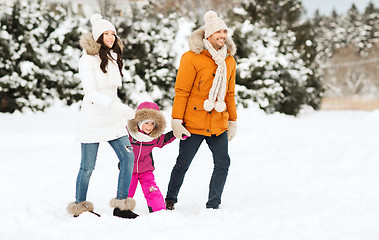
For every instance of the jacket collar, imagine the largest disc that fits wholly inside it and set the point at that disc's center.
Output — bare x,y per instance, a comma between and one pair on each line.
196,42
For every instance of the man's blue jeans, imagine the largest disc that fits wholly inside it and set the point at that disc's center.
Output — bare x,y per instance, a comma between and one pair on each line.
124,153
187,150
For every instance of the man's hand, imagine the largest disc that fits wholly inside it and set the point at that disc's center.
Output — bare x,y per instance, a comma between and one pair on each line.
179,130
232,129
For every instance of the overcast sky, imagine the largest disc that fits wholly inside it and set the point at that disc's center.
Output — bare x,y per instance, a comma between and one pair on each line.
341,6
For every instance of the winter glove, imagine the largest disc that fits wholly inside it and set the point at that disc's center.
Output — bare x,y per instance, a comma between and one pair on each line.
232,129
123,109
179,130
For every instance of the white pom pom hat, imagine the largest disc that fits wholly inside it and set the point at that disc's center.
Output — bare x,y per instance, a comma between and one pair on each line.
213,23
100,25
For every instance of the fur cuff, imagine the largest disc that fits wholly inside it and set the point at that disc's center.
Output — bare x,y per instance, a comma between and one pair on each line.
77,208
123,204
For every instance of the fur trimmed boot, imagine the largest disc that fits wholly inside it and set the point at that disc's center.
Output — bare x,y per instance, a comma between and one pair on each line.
76,209
123,207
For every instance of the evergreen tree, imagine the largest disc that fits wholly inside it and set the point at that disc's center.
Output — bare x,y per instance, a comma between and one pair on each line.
276,54
9,87
272,76
371,20
274,13
354,30
40,62
25,83
63,53
150,56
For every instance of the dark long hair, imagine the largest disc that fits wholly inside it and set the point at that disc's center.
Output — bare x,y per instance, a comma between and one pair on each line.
105,54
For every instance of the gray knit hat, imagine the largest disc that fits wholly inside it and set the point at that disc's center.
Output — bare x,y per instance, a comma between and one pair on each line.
213,23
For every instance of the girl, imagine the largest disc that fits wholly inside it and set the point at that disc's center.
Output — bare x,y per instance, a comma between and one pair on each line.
145,133
102,116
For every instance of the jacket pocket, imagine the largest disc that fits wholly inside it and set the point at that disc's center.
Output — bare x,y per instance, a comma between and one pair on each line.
224,119
195,116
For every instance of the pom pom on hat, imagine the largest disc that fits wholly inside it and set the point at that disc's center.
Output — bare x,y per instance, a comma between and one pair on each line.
95,17
100,25
209,15
213,23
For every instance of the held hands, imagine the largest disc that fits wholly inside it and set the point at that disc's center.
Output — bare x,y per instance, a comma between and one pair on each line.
232,129
123,109
179,130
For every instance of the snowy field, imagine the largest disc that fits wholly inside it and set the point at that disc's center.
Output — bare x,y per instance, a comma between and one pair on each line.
314,177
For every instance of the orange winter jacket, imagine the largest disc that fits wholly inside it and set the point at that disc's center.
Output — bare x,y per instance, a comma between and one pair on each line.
193,82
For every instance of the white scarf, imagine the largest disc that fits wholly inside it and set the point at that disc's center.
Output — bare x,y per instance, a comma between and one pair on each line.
141,137
217,92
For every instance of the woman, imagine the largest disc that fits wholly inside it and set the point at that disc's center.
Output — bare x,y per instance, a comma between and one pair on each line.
103,117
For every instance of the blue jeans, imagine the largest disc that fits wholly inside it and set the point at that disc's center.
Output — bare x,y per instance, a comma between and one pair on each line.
187,150
124,153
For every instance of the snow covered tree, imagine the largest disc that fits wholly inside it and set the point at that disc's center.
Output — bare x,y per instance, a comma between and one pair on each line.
353,35
150,56
275,56
274,13
371,20
25,82
353,28
40,62
273,77
62,53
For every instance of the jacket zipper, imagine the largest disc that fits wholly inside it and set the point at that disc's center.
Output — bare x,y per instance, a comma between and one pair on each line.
139,154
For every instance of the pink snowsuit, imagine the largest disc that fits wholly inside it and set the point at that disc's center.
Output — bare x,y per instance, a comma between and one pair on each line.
143,158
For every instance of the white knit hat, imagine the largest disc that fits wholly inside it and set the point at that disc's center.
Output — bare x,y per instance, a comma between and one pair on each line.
213,23
100,25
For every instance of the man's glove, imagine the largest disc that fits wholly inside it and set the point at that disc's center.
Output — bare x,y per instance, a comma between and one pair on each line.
232,129
179,130
123,109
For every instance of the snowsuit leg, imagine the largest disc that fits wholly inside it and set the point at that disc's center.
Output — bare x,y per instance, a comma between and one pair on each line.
153,195
133,184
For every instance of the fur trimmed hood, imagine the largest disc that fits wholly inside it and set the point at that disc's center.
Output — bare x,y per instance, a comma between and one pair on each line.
196,42
87,42
145,114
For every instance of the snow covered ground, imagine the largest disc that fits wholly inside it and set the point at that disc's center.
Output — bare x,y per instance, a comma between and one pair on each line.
313,177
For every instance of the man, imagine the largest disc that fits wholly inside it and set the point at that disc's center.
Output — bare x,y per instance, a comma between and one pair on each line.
204,106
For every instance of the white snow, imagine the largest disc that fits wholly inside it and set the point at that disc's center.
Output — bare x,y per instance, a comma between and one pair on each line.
313,177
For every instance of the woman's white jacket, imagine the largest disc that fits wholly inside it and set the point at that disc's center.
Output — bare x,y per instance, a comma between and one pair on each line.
98,120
